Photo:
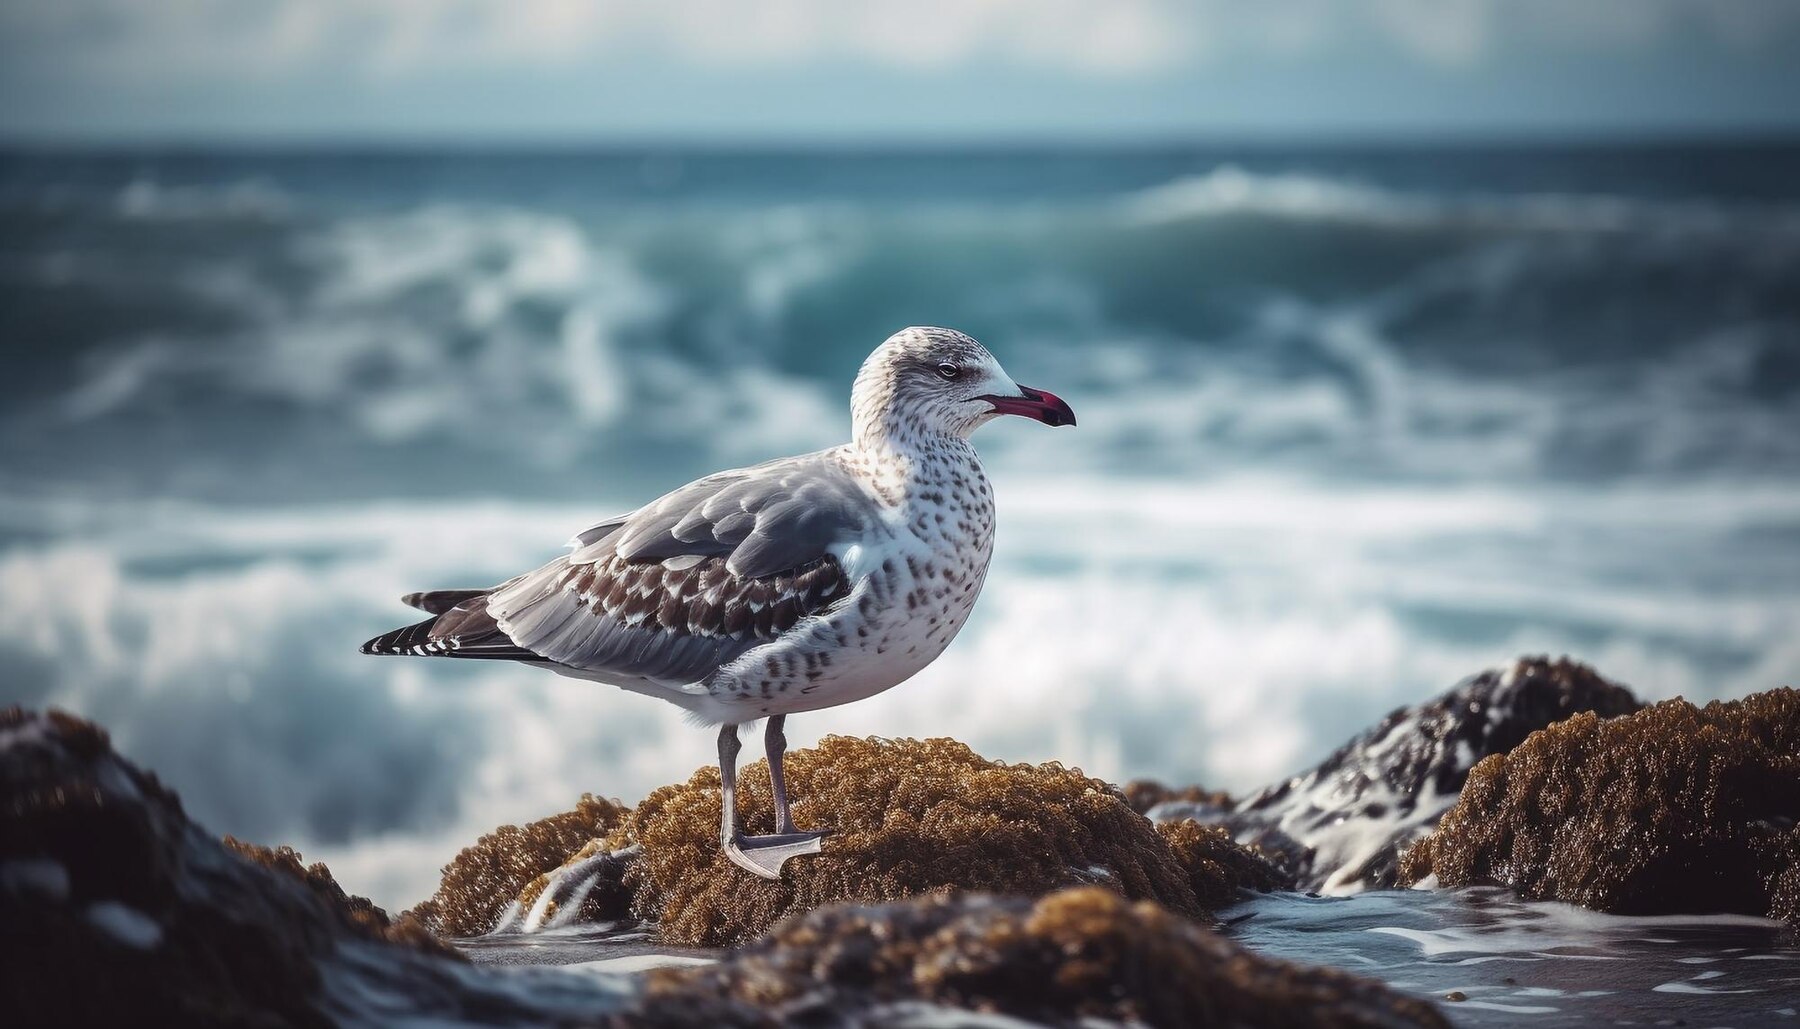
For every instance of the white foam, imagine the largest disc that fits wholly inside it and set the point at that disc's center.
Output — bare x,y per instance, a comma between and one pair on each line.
635,963
923,1015
148,200
1688,987
1513,1009
1228,630
1231,190
1562,931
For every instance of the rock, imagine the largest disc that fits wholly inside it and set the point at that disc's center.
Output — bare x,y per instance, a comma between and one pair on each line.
119,910
907,817
115,909
1219,868
1062,959
1340,827
482,882
1144,794
588,887
357,914
1672,809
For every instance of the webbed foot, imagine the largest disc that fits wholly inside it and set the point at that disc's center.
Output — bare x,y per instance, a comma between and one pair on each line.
764,855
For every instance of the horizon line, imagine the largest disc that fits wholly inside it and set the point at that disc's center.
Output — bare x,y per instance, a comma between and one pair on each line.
598,142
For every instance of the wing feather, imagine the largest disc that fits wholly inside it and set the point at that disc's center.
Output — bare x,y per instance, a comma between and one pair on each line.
670,592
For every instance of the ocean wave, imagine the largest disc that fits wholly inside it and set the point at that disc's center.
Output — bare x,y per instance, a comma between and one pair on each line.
1222,632
478,339
1329,390
1230,190
521,340
145,199
509,332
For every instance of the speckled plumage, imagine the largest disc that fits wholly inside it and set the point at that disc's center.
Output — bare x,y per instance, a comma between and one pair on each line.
789,586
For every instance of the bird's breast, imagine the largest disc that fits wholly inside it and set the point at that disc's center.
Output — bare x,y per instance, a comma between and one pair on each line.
915,573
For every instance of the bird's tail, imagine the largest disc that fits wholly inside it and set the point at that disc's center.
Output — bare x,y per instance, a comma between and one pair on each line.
459,626
436,602
408,639
418,639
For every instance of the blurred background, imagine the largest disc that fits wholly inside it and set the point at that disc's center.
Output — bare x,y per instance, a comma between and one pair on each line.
1407,336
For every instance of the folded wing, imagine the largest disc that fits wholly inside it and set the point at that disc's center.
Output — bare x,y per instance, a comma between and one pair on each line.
674,590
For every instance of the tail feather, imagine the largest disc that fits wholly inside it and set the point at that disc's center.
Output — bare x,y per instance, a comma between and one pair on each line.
408,639
436,602
463,629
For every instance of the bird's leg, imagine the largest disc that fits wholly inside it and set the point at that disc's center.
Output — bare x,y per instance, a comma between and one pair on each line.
728,752
775,743
762,855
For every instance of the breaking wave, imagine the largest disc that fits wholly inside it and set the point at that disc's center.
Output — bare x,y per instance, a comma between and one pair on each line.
1229,190
1222,633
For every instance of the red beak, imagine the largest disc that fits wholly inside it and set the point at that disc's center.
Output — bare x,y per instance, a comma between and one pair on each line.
1044,406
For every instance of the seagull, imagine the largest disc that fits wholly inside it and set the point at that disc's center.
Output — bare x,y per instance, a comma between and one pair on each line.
799,584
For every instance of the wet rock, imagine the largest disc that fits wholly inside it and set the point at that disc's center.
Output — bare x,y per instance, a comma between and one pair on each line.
1218,867
1672,809
588,887
509,868
1341,826
119,910
1083,953
115,909
357,914
907,817
1145,794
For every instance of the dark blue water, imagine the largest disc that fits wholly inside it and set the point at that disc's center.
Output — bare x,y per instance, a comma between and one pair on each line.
1354,423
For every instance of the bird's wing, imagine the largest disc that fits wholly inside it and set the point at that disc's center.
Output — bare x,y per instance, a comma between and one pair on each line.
763,520
688,582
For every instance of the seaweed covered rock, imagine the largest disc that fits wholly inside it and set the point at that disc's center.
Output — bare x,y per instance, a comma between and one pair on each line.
357,914
1218,867
1145,794
1341,826
588,887
1673,809
1061,960
118,910
907,817
485,878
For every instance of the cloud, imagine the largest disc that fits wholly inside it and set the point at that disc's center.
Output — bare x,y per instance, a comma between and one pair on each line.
399,38
1444,31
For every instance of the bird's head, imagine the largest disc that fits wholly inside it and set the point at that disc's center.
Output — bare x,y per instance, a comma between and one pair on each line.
927,380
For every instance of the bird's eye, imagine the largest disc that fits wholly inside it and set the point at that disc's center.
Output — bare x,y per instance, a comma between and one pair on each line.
949,371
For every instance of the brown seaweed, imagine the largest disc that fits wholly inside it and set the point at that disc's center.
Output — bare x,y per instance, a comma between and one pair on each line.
907,818
1082,953
480,881
1219,868
1673,809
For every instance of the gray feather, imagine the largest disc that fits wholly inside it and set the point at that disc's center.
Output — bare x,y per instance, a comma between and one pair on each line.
770,518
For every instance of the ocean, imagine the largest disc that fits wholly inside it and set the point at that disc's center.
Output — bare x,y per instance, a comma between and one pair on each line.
1354,423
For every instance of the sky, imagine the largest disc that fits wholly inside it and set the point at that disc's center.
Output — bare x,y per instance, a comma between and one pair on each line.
566,70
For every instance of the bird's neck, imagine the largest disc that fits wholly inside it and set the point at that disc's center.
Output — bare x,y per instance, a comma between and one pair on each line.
886,428
901,459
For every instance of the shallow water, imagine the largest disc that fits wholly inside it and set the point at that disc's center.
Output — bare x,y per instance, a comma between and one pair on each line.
603,946
1515,962
1539,964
